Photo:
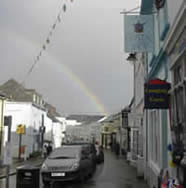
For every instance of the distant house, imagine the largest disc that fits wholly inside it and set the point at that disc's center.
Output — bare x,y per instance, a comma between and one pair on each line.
57,125
110,130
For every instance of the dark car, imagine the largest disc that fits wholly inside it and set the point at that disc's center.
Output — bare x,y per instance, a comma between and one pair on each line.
89,149
100,155
66,164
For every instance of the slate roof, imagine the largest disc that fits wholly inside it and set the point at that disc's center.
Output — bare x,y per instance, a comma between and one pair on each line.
84,119
15,91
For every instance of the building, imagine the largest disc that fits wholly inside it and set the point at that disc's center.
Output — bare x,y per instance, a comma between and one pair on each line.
167,63
27,107
32,117
2,107
125,131
57,126
111,130
175,49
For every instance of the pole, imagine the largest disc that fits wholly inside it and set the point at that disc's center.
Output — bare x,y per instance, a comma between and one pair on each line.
9,141
134,150
1,127
20,141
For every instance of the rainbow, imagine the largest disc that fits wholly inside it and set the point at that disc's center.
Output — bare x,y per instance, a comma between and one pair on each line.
62,67
100,107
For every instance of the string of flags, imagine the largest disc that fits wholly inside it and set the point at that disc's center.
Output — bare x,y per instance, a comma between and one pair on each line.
63,9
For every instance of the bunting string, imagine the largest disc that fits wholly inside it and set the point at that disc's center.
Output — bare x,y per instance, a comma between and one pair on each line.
57,21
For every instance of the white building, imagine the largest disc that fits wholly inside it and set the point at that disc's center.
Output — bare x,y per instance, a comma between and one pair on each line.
57,134
27,114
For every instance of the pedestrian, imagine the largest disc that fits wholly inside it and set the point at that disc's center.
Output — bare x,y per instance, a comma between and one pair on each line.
45,151
117,149
49,149
110,145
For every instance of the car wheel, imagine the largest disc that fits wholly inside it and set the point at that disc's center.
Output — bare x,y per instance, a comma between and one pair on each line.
81,177
91,172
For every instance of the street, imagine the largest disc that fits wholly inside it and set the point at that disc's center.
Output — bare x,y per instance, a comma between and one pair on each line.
114,173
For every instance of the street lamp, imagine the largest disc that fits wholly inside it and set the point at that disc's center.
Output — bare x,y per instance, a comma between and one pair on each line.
132,58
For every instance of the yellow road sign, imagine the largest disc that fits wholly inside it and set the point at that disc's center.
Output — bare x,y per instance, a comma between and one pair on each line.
20,129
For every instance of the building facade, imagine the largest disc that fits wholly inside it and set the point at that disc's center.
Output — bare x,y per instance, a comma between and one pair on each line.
25,113
166,62
2,108
175,47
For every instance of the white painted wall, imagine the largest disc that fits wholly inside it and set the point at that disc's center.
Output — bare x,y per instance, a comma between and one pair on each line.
72,123
29,115
57,134
48,128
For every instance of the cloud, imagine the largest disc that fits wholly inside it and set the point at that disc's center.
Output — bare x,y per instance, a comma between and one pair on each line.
88,41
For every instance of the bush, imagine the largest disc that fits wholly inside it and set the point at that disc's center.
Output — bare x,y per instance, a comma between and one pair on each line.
35,154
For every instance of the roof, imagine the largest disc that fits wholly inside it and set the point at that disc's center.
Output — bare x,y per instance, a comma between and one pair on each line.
15,91
52,114
2,95
85,119
111,118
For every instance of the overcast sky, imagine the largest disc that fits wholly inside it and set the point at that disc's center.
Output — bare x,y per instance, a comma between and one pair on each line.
84,68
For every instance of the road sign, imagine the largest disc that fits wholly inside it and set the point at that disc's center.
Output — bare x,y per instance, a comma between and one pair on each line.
20,129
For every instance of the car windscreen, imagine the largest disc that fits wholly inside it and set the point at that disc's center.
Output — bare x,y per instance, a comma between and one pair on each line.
65,153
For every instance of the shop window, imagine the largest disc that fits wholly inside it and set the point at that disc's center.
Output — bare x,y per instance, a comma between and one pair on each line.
106,129
155,136
34,98
178,74
180,104
178,98
185,67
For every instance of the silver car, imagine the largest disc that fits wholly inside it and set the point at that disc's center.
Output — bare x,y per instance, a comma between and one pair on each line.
65,164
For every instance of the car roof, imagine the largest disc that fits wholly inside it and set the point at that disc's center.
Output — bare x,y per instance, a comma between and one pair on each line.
77,143
59,150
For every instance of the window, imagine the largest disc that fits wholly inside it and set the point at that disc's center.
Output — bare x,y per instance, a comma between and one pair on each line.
34,98
178,95
155,136
178,74
185,67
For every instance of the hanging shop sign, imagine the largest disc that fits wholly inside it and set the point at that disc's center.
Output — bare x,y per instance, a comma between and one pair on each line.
138,33
156,94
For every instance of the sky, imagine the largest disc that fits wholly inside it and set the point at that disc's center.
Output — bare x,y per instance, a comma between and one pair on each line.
83,69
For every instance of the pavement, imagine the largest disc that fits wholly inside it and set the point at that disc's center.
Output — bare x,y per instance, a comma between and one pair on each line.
35,161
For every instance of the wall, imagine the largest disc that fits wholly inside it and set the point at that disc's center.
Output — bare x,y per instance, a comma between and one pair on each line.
57,134
30,116
48,128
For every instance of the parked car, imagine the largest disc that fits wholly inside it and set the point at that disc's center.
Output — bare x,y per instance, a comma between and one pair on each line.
100,155
89,149
66,164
